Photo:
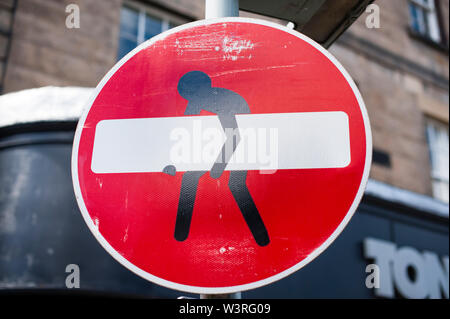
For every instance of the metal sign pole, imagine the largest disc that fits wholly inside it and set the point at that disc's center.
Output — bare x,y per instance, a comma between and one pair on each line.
221,9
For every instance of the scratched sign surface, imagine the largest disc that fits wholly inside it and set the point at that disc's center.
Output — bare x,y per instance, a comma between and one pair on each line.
221,155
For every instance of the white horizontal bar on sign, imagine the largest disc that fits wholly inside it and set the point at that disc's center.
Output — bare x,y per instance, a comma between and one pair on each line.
193,143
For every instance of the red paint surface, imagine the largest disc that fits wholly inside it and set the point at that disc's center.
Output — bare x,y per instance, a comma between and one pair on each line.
300,208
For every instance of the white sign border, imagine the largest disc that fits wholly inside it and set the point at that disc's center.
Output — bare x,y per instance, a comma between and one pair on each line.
218,290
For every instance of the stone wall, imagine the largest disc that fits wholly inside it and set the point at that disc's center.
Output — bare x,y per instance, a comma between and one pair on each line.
403,79
7,9
45,52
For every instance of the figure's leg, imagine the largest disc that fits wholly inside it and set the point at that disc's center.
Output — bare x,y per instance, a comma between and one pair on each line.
186,202
238,187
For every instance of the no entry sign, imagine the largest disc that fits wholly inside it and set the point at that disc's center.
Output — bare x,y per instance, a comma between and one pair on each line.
221,155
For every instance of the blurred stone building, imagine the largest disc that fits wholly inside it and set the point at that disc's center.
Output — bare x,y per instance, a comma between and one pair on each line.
401,69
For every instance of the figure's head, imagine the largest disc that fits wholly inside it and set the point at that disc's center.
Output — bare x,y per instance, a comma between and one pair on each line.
193,84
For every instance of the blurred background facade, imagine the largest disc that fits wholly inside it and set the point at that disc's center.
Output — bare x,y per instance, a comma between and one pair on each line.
401,69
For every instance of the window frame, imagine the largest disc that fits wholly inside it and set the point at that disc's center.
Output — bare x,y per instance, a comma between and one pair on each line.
144,10
432,19
432,124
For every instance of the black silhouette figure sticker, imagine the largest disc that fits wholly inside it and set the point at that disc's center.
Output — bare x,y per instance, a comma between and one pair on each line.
195,86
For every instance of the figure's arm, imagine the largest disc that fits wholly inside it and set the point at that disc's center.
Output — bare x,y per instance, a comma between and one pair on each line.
192,108
230,127
170,170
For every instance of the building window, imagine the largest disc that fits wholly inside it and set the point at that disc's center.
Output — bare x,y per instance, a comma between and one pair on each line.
424,19
139,23
437,134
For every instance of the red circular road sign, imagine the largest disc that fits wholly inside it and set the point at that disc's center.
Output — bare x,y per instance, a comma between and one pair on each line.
190,216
